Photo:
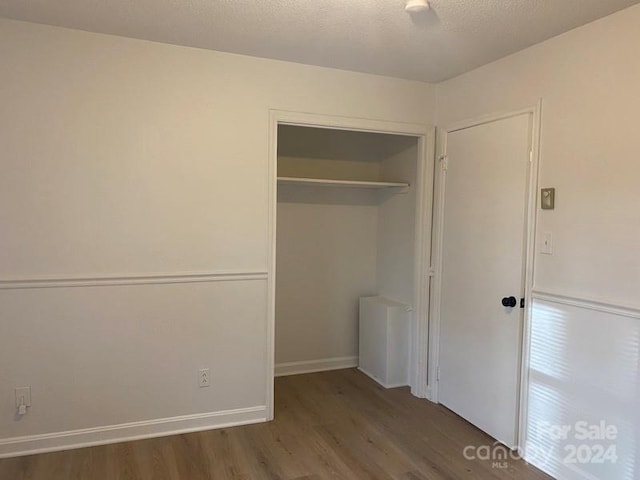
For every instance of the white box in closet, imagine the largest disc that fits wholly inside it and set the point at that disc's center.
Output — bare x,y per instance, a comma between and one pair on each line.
384,340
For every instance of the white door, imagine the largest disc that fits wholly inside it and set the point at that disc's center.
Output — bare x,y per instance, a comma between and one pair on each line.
483,257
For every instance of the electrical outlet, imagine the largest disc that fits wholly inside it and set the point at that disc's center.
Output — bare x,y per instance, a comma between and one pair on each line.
23,398
204,377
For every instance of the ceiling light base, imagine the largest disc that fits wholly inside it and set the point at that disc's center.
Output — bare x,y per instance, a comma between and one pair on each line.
414,6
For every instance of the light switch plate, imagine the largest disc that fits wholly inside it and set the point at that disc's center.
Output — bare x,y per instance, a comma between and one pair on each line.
548,198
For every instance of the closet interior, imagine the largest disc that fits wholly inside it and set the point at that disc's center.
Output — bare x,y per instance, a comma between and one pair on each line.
346,224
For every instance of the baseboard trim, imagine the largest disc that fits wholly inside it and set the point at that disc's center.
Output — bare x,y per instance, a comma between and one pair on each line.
311,366
385,385
88,437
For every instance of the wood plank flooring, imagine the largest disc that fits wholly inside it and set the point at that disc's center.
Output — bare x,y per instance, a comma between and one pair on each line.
330,425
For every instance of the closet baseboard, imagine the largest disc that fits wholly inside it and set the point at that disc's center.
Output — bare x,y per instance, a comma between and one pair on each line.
310,366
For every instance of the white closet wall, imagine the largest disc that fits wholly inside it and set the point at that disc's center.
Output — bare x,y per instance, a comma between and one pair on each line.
326,260
329,240
396,226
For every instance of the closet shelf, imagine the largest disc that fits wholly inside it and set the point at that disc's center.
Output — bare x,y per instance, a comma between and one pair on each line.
325,182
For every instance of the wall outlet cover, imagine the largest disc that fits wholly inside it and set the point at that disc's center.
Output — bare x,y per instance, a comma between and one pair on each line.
204,377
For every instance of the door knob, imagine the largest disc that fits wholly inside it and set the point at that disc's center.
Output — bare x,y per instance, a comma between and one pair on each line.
509,302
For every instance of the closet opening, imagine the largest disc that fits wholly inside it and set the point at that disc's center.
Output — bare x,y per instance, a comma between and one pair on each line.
352,225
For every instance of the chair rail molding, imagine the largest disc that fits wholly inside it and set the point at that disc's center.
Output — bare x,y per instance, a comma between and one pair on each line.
597,305
59,281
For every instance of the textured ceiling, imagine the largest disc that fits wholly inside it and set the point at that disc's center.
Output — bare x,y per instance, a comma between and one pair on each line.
373,36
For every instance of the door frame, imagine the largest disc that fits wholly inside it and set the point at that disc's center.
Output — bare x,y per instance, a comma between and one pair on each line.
424,198
530,234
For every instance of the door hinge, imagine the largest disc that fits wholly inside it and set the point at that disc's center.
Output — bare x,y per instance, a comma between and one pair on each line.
530,156
444,162
438,373
432,272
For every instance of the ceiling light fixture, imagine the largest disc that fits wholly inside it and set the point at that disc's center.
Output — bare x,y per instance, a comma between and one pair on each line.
414,6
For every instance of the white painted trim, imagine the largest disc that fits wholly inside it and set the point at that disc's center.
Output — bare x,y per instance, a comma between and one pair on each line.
426,146
311,366
436,257
529,275
272,191
127,279
588,304
87,437
377,380
491,117
303,119
422,280
436,265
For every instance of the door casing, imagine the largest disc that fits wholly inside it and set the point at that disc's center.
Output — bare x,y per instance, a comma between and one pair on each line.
422,245
436,254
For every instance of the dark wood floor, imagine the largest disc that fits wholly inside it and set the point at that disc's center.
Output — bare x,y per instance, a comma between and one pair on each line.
332,425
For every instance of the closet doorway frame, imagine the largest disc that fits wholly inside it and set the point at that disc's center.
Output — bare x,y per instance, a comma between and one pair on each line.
419,349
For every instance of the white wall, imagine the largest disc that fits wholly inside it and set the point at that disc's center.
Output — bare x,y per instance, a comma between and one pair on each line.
326,261
129,158
584,368
397,227
588,79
